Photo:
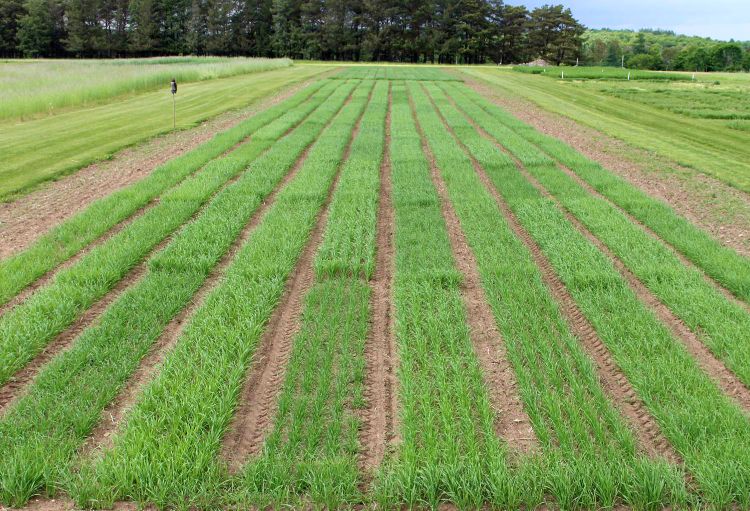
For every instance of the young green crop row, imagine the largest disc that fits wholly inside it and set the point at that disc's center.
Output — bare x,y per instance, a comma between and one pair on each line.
705,426
30,326
41,432
719,323
71,236
168,451
394,73
726,266
589,456
312,451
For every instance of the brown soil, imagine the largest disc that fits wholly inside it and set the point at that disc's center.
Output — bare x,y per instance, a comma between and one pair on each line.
613,381
25,219
378,428
709,203
511,421
256,408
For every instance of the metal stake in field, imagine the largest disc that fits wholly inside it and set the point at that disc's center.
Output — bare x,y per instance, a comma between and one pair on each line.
174,103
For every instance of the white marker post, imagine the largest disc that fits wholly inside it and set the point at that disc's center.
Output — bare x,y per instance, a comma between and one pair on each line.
174,103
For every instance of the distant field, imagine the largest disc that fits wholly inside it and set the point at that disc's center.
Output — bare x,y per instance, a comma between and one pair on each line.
376,294
40,149
705,144
601,73
29,87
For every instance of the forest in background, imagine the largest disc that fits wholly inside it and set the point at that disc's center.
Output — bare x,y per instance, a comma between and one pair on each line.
436,31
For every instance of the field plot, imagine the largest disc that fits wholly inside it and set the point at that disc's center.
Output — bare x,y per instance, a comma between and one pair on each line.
386,292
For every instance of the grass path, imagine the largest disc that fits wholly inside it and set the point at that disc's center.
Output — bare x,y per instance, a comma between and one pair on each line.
43,149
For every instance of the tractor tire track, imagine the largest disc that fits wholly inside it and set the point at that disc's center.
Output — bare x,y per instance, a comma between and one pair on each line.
379,417
512,423
256,408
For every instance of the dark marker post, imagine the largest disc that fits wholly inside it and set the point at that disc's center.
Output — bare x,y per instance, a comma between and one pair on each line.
174,104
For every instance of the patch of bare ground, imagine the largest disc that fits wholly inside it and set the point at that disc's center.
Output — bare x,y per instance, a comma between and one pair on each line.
111,420
66,504
715,368
511,421
258,399
379,416
613,380
708,203
25,219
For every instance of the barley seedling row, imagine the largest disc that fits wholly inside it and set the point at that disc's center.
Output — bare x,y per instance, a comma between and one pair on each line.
311,453
590,457
722,325
30,326
721,263
167,452
704,425
65,401
71,236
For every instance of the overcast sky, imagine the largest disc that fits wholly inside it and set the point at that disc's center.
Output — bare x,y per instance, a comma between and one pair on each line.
720,19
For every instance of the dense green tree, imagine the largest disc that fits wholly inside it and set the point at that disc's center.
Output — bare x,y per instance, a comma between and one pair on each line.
10,12
40,29
554,34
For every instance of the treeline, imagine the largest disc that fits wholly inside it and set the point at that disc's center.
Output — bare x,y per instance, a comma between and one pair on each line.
443,31
663,50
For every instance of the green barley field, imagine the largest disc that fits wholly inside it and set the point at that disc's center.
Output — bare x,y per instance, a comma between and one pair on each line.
382,292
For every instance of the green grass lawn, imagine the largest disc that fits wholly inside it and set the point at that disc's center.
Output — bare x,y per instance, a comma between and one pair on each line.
35,151
706,145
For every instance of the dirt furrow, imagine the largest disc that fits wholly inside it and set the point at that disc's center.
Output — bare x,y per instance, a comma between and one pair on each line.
613,380
715,368
378,424
512,423
112,416
256,408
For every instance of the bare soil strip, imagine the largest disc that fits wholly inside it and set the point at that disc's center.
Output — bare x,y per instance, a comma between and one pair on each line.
112,416
256,408
378,418
612,379
24,220
715,368
684,260
511,420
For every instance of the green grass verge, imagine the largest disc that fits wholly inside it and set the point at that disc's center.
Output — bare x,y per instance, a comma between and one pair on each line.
589,458
710,148
705,426
167,453
65,240
30,326
44,149
311,453
65,401
726,266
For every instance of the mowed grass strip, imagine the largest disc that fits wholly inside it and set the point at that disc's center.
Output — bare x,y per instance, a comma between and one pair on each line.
719,323
721,263
71,236
167,452
30,326
590,458
40,433
311,455
447,446
707,429
43,149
